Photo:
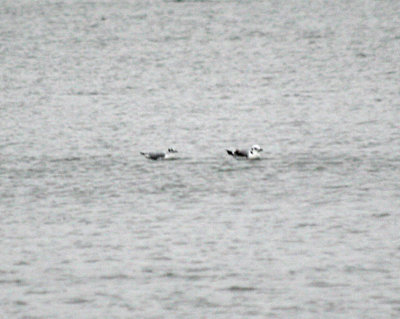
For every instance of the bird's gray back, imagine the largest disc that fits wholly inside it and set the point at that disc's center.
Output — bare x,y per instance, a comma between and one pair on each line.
155,155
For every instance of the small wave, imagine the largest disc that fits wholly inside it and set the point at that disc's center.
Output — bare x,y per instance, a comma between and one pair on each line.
37,292
115,277
381,215
303,225
20,303
66,159
241,288
77,300
18,282
325,284
85,93
170,274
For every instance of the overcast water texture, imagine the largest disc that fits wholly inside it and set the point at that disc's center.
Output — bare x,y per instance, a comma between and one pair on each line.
89,228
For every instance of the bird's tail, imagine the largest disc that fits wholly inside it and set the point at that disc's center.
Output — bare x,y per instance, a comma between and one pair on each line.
229,152
143,153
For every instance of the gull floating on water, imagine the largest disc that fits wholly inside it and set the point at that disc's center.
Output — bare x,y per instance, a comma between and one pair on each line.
170,154
252,153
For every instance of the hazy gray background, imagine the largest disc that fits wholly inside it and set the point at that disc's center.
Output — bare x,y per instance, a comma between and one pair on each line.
90,229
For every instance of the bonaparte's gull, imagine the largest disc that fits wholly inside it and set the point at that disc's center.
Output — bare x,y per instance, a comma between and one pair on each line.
252,153
170,154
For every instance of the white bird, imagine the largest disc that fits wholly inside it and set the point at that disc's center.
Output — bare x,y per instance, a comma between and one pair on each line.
170,154
252,153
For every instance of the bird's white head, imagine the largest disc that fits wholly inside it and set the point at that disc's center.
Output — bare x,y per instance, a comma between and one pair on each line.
256,148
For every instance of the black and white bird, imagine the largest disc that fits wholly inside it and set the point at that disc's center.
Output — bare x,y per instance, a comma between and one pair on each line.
252,153
170,154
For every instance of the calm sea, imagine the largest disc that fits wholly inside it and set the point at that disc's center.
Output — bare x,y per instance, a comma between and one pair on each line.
89,228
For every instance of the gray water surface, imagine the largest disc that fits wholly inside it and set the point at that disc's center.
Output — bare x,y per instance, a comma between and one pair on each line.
91,229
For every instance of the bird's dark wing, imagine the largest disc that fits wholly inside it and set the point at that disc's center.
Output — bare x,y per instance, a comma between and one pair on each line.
153,155
237,153
156,155
240,153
